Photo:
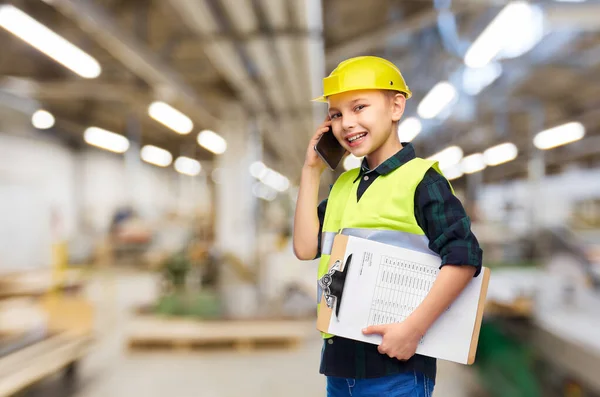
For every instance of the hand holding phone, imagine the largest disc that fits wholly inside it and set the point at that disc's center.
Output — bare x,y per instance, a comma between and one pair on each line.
312,159
330,150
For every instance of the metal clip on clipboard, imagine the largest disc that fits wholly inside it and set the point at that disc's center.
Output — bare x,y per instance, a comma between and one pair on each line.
333,282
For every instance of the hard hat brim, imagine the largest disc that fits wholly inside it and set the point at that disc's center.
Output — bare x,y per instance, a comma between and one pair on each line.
323,99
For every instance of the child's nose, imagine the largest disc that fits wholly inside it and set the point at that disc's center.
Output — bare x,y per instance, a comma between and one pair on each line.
348,122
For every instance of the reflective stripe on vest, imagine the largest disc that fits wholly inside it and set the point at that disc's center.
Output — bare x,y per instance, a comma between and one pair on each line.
327,242
397,238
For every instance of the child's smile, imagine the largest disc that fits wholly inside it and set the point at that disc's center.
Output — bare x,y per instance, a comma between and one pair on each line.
356,138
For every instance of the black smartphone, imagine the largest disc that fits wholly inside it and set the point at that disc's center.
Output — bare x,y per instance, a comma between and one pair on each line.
330,150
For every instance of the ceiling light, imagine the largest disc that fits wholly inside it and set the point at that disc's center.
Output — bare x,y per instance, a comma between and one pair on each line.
263,191
275,180
440,96
155,155
514,31
448,157
42,120
529,31
106,140
453,172
351,162
500,154
45,40
473,163
558,136
187,166
258,169
269,177
409,129
170,117
476,80
212,141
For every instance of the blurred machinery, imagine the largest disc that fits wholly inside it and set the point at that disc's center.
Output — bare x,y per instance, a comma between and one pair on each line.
540,332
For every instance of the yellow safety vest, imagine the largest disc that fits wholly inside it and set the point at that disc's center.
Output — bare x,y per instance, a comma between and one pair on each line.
385,212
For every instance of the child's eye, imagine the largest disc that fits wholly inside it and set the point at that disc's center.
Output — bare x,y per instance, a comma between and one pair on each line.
359,107
335,116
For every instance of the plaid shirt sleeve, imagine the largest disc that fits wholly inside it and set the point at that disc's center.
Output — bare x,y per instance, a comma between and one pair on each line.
444,220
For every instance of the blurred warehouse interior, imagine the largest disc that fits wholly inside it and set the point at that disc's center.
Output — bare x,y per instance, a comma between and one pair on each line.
150,153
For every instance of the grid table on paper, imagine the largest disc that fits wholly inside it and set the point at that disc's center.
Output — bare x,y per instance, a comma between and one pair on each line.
401,287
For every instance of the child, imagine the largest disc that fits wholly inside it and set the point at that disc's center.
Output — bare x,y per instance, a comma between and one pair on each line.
396,198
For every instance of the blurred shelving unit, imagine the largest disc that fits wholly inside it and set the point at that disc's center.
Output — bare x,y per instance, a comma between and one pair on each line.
46,327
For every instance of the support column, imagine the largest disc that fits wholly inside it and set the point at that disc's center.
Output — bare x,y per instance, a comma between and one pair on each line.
193,194
315,55
536,168
474,185
235,218
315,48
133,164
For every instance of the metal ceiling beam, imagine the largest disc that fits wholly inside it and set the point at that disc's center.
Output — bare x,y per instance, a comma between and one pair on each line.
470,2
311,18
263,56
275,11
244,21
22,104
73,90
377,39
580,16
278,80
135,55
89,89
292,74
277,19
197,16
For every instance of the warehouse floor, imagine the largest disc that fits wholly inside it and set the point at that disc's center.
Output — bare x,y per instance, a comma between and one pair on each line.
110,370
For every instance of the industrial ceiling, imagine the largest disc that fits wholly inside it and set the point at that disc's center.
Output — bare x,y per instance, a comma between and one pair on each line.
211,58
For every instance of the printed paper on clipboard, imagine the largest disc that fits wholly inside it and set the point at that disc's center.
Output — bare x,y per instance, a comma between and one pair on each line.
383,284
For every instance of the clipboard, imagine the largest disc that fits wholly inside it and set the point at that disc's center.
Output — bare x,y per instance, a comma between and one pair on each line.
382,284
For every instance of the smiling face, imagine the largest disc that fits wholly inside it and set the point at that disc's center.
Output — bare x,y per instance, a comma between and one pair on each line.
364,122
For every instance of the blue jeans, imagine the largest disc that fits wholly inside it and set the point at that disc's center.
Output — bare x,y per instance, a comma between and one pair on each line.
410,384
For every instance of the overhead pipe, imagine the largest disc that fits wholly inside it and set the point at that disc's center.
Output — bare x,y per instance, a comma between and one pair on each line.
573,16
276,13
245,22
314,51
262,54
448,30
136,56
378,38
198,17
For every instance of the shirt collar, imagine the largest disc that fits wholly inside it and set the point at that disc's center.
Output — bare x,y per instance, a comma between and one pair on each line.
401,157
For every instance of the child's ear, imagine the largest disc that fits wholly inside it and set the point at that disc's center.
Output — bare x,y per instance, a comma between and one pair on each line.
398,104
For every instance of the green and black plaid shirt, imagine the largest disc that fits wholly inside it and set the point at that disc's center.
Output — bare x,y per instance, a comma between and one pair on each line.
442,217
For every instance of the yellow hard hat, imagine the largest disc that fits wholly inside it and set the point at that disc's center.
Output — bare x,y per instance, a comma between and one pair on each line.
364,73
